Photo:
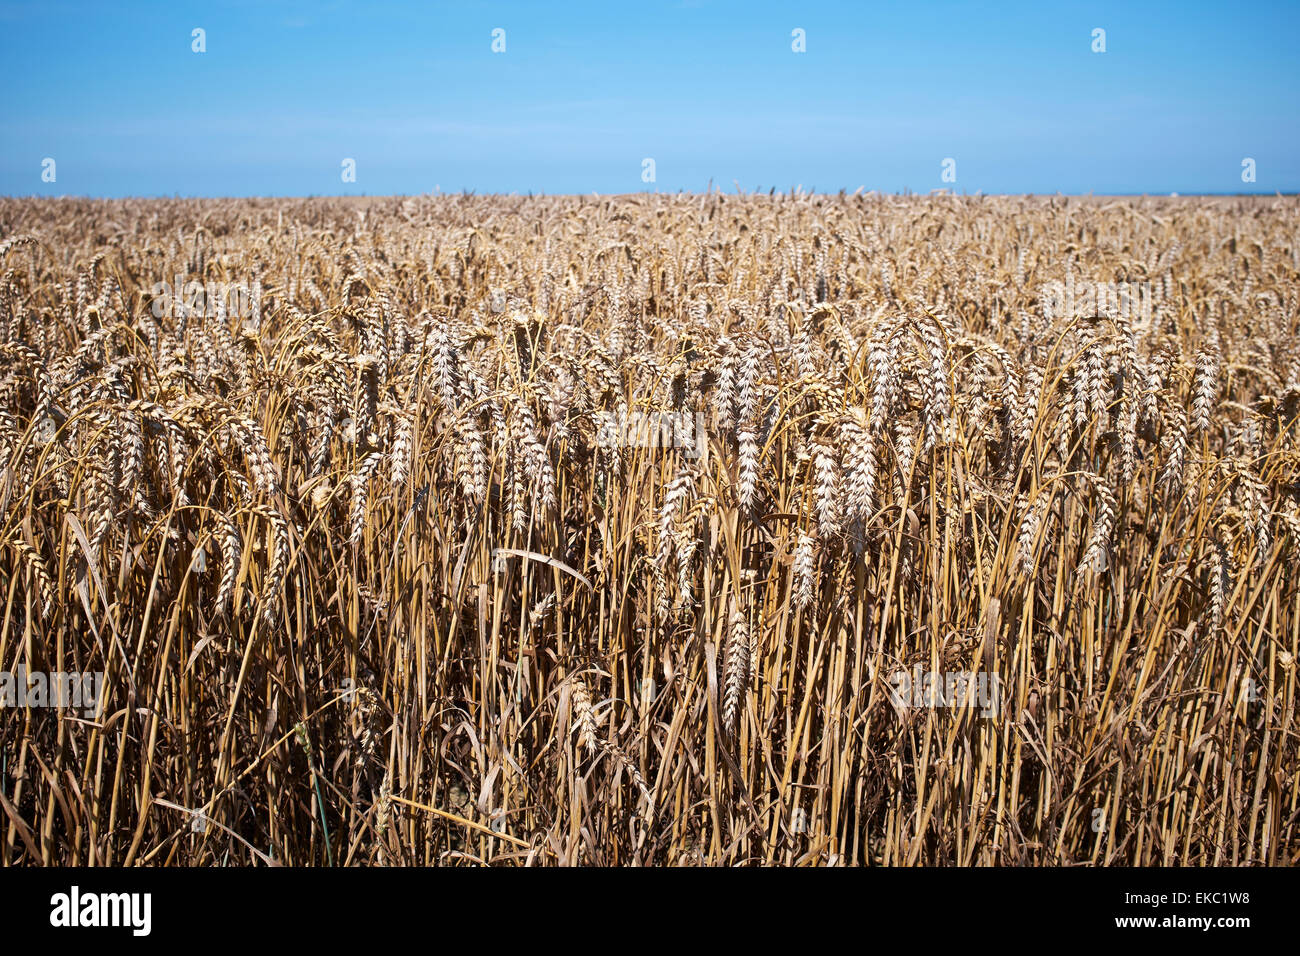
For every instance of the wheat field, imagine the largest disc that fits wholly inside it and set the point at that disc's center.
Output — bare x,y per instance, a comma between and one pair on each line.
652,530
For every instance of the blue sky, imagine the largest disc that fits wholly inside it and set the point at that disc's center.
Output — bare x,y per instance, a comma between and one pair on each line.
584,92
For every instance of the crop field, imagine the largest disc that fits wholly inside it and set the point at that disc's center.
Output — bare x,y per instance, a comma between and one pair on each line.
650,529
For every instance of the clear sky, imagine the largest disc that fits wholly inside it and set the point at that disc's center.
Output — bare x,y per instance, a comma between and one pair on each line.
584,92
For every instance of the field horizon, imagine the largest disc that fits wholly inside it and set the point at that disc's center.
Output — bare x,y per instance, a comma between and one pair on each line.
788,192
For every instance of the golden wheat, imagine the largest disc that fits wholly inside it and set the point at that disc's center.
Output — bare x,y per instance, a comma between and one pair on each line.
607,530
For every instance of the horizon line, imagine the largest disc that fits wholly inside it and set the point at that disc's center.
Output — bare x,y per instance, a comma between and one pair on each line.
771,192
